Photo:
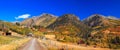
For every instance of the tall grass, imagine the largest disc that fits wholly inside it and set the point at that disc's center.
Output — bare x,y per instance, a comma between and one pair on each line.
54,45
12,43
7,39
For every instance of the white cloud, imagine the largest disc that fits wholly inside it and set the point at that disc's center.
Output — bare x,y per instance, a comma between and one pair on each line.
24,16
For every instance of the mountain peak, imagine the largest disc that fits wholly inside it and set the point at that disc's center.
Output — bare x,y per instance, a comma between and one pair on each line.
69,17
47,15
96,16
96,20
42,20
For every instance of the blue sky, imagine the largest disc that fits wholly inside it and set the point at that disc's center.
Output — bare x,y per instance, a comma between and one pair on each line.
12,10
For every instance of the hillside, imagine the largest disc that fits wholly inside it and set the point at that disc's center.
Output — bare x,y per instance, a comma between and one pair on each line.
7,26
68,27
105,32
97,30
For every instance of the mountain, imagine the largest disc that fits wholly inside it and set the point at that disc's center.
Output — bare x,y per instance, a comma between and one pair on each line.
43,20
96,20
105,33
69,24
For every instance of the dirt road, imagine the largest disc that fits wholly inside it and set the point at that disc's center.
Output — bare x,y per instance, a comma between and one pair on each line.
43,44
33,44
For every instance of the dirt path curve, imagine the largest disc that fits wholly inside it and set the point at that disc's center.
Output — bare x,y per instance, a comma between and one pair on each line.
33,44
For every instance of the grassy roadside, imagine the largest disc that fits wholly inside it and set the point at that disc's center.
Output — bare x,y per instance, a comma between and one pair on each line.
54,45
12,43
7,39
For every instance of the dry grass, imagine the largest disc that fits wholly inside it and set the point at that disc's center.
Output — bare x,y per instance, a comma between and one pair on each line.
13,45
7,39
54,45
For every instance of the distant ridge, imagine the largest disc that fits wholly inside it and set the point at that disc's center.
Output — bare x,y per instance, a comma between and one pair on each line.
42,20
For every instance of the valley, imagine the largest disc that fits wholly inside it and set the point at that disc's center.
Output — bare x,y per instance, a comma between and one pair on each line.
66,32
